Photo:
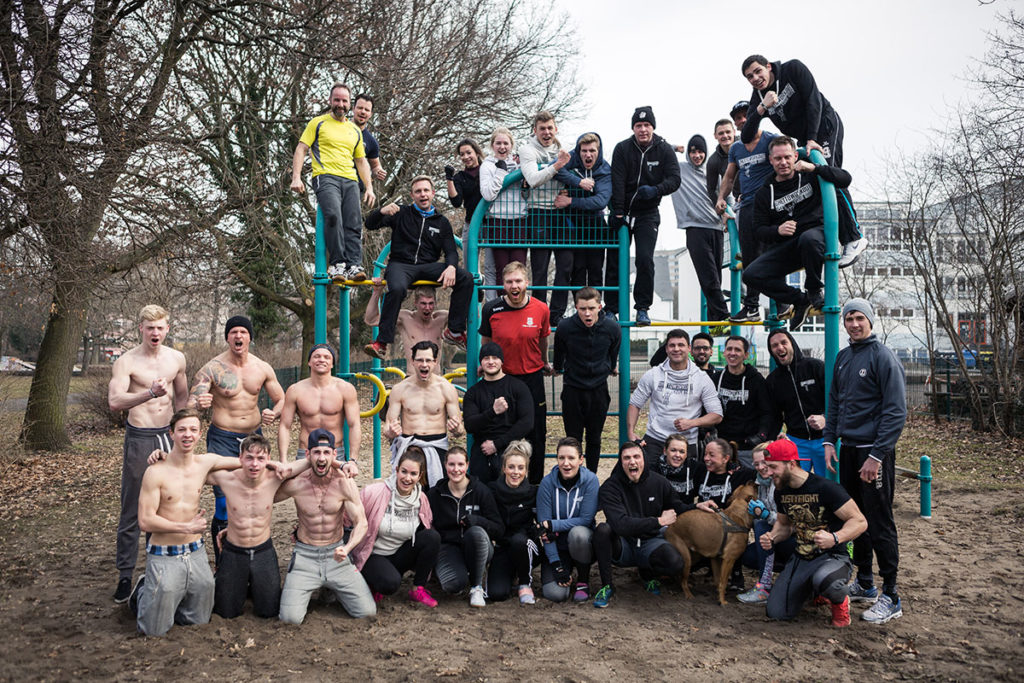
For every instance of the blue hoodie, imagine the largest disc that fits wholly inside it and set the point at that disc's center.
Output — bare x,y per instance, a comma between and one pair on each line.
594,202
566,508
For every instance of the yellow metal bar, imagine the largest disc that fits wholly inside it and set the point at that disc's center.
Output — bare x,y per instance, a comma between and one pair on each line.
382,393
697,323
370,283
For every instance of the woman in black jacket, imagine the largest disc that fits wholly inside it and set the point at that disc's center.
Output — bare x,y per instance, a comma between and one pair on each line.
467,518
517,550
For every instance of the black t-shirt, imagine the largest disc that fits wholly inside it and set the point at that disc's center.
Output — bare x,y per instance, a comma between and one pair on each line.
811,508
718,487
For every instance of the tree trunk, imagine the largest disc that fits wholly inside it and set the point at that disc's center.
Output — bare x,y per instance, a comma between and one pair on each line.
44,427
308,329
86,352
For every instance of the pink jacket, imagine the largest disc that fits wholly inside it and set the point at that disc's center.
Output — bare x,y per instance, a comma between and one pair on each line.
376,498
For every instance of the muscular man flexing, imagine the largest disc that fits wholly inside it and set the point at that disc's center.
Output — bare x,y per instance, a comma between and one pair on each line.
230,384
422,409
321,401
149,382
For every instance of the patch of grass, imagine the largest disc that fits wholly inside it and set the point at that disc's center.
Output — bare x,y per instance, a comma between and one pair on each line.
17,386
960,457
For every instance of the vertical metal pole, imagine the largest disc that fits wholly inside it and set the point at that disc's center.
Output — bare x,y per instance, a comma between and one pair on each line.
624,347
378,270
830,210
320,282
735,271
704,312
344,352
926,487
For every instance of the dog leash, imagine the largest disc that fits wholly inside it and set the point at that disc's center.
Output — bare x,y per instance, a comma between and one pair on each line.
728,527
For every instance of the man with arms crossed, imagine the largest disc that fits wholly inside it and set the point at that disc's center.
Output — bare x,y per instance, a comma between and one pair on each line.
230,384
422,409
324,499
149,382
321,401
180,585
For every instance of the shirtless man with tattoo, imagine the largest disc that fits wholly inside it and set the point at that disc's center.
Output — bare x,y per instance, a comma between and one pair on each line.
230,384
321,401
178,585
324,498
422,409
149,382
421,324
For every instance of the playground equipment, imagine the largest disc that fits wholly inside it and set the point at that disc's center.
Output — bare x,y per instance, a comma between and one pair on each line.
557,236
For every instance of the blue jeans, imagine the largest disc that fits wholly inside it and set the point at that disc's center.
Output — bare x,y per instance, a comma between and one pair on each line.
814,451
338,199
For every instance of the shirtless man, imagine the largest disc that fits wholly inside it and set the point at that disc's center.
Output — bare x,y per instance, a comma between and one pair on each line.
422,409
230,384
149,382
178,585
422,323
324,498
321,400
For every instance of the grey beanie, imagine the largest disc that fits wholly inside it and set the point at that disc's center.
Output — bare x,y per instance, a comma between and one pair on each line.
861,305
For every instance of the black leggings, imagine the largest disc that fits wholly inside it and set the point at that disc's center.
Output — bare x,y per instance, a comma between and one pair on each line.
664,560
383,573
512,565
247,571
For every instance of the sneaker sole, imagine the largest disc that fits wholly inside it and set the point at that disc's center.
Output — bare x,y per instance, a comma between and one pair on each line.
121,601
372,353
864,600
887,619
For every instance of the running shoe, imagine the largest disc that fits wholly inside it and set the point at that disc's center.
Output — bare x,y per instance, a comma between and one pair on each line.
458,340
582,593
642,319
124,590
859,593
422,595
746,315
841,613
653,587
755,596
852,252
338,272
476,597
377,350
526,596
883,610
355,273
603,596
785,313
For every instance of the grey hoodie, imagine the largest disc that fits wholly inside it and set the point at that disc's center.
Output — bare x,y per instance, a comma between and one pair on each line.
674,394
693,207
537,165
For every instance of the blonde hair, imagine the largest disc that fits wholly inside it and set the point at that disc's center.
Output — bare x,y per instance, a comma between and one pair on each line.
153,312
520,448
513,267
501,130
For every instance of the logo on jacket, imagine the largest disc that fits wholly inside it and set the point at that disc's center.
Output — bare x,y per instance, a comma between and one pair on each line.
785,203
434,231
863,372
784,96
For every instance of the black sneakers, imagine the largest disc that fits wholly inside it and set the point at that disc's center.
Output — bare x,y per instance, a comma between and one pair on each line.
746,315
124,590
809,307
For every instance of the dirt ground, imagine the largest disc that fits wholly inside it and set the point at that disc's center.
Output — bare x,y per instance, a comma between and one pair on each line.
961,585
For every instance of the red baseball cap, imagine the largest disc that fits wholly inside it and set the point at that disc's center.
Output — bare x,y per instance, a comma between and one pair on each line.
782,450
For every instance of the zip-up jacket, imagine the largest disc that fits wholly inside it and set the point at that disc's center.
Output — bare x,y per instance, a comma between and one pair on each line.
716,165
747,407
867,404
566,508
415,238
483,423
632,510
797,199
467,191
594,351
690,200
801,112
634,166
797,391
517,507
589,203
376,499
477,503
507,203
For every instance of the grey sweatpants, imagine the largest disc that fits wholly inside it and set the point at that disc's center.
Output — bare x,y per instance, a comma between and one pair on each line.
139,442
178,590
313,567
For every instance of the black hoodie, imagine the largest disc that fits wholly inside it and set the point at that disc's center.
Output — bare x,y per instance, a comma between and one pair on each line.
477,505
633,166
416,238
632,510
797,391
586,355
746,407
517,507
802,111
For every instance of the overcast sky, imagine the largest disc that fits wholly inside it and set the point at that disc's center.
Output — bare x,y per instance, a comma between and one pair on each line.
893,69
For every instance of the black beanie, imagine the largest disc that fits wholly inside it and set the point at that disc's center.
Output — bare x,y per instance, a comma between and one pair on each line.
643,114
237,321
698,142
334,356
492,349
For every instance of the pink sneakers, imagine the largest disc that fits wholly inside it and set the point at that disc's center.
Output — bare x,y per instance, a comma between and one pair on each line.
421,595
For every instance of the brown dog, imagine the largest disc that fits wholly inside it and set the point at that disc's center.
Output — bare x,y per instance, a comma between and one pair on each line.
709,535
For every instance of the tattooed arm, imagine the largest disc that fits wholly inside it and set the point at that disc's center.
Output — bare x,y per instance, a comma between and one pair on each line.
200,396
